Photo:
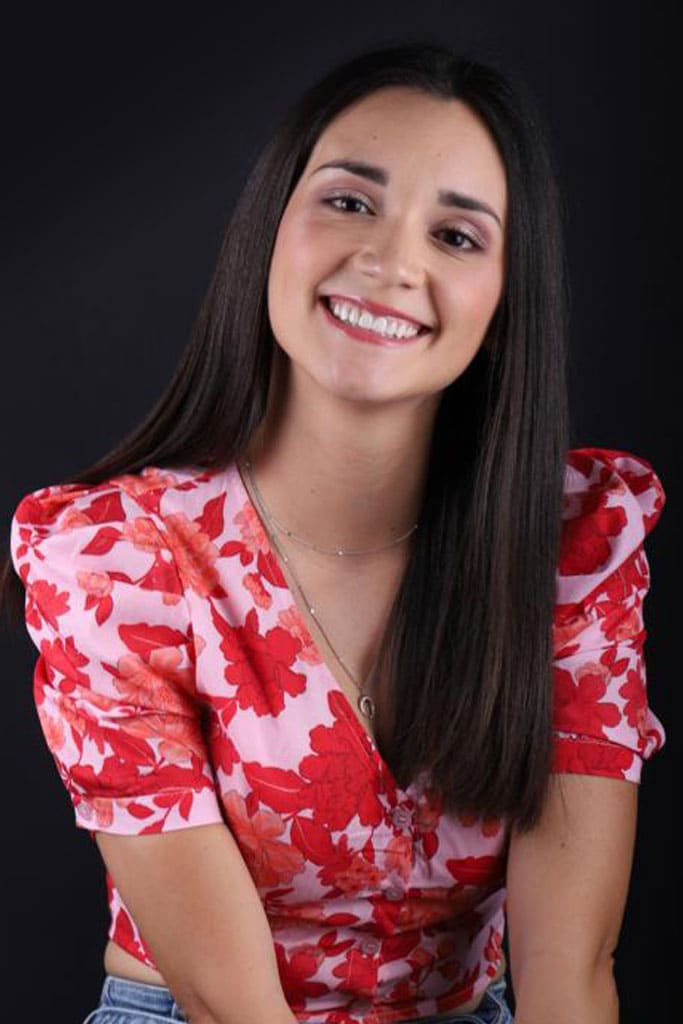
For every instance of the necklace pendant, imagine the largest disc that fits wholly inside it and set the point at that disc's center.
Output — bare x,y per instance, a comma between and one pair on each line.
366,705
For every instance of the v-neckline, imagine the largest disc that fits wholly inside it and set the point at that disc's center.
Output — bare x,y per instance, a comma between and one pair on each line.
286,595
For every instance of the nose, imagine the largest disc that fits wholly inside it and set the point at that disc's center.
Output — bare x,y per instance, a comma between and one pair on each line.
392,256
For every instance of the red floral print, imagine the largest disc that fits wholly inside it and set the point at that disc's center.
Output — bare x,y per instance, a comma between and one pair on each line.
176,684
271,861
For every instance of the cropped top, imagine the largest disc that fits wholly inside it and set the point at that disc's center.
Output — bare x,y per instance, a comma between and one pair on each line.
176,685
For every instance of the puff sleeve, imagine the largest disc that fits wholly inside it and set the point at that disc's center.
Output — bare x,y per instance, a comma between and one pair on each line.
602,722
114,681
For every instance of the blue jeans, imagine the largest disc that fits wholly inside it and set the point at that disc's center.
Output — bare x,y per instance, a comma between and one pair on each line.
135,1002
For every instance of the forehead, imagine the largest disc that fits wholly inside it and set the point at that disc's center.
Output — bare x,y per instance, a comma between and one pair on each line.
418,138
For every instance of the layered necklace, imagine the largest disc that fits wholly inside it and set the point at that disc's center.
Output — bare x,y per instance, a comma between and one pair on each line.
366,705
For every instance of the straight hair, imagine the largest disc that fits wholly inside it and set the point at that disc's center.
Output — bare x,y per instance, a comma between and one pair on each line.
465,665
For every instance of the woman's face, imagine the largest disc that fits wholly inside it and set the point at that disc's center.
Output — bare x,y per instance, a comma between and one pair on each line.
395,242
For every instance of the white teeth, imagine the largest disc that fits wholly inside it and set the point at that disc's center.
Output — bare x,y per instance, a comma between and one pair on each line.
387,327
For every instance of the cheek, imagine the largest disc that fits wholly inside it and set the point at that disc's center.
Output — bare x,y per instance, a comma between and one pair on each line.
478,295
295,273
284,253
298,248
284,272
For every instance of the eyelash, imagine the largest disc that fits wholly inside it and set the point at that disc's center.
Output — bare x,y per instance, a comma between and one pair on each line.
329,200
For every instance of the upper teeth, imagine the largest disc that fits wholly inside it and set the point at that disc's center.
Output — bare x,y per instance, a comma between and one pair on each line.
387,326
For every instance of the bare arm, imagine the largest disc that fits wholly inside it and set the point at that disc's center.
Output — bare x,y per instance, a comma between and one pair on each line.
567,887
191,895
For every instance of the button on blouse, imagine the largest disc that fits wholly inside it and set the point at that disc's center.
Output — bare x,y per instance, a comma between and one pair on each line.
402,818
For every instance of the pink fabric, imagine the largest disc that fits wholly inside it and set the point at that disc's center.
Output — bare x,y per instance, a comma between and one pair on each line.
177,685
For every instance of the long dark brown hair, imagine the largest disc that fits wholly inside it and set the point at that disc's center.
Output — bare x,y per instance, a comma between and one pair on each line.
466,661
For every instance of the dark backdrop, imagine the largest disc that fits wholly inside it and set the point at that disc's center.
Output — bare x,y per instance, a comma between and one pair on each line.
126,142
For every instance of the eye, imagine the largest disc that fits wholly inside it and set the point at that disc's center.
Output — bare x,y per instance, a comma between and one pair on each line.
344,197
474,243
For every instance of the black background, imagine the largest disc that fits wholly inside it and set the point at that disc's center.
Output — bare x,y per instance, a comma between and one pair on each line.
127,139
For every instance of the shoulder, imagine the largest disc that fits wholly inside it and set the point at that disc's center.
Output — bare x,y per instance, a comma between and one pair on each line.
152,491
612,501
602,720
114,525
107,579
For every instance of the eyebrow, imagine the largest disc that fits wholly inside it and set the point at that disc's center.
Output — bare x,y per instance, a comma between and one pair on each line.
446,197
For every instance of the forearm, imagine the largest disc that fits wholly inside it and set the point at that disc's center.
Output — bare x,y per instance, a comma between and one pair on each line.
261,1014
557,992
224,988
214,996
194,900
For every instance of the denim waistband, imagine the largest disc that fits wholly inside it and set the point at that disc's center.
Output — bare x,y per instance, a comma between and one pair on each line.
140,995
122,993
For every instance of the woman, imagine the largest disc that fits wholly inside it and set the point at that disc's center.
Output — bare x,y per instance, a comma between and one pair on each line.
340,654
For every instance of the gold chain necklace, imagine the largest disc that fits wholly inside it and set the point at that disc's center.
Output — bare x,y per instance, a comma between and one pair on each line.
366,705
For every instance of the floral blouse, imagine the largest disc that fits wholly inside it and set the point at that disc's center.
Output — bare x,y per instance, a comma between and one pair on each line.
176,684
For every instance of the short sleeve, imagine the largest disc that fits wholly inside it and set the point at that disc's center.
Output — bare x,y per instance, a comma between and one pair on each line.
114,681
602,721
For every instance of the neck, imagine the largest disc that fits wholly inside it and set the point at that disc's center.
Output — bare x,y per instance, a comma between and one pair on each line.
339,476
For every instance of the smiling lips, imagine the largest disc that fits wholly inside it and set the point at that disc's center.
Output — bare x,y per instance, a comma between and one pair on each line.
392,334
377,309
